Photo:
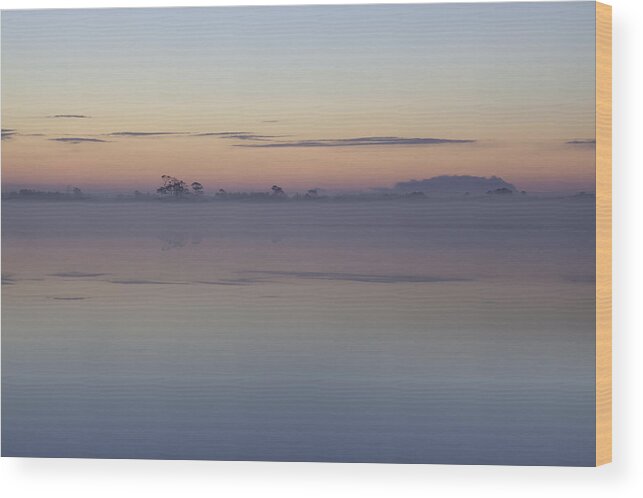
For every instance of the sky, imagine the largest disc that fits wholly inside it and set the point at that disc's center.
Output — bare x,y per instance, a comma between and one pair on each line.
336,97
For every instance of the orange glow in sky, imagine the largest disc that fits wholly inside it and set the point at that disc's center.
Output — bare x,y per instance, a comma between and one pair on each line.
338,97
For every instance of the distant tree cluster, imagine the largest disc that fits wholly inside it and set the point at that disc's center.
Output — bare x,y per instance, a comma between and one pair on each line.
456,184
277,191
197,188
73,193
500,191
176,188
173,186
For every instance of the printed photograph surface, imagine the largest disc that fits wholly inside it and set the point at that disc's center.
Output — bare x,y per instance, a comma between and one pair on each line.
312,233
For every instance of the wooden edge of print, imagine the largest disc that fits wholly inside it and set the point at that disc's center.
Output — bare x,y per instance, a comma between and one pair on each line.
603,234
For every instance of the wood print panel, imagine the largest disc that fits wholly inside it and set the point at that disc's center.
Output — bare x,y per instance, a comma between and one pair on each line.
603,234
350,233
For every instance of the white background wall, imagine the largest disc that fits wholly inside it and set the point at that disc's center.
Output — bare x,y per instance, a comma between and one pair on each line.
623,478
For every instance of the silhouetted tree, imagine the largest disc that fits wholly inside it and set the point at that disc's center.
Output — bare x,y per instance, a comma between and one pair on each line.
277,191
500,191
173,186
312,193
197,188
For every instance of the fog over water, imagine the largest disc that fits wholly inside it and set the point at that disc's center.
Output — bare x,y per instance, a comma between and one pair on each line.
454,330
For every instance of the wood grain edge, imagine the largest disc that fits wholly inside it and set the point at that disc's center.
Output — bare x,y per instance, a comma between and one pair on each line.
603,234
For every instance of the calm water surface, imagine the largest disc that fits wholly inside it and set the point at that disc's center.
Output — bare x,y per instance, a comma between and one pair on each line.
443,331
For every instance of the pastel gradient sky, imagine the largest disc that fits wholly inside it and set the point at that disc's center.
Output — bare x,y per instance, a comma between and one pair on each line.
241,98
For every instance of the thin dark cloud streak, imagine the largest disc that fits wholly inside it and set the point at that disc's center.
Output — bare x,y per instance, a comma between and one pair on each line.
361,142
145,282
358,277
78,274
221,133
589,141
8,279
8,133
69,116
238,135
77,140
257,140
230,135
234,135
146,133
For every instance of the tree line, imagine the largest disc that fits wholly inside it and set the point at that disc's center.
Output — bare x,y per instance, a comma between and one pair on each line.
177,188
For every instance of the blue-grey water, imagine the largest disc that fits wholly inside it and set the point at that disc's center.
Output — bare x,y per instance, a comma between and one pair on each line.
436,331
